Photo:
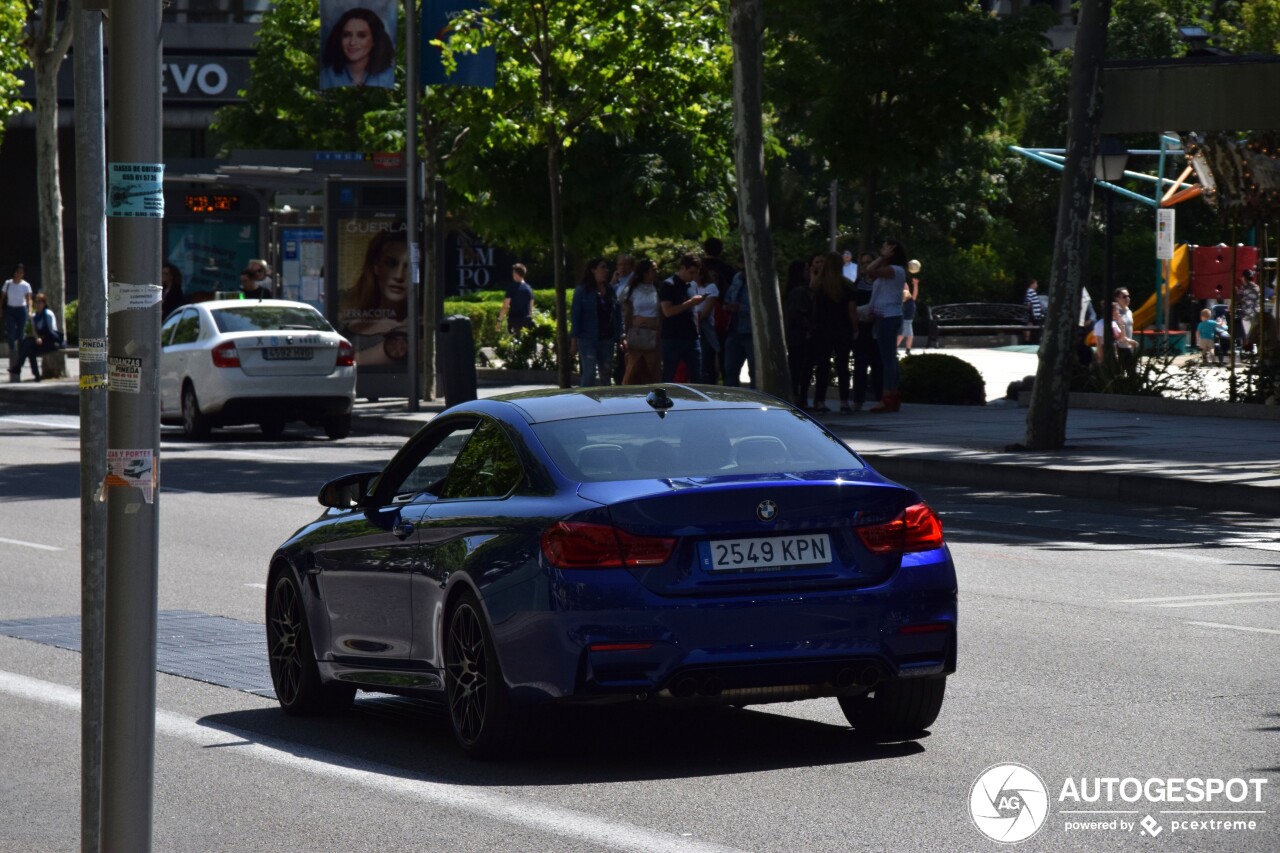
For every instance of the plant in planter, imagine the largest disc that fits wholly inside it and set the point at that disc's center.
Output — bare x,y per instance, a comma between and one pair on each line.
941,379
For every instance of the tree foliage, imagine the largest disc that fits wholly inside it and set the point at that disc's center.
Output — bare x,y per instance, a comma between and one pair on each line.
13,15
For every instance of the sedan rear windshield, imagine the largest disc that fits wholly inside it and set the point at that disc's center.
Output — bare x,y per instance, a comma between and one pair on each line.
270,318
692,444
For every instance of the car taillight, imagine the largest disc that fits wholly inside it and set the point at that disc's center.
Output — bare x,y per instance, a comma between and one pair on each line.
915,529
225,355
582,545
346,354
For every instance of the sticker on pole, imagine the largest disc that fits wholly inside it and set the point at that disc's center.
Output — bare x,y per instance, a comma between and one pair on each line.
93,350
132,469
90,381
132,297
135,189
124,374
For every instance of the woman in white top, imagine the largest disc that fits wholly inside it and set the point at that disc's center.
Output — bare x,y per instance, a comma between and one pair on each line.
640,314
705,285
17,308
889,273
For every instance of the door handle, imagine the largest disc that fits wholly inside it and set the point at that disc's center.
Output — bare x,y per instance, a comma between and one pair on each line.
403,530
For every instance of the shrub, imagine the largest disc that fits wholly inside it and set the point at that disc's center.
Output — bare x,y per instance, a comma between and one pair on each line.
533,349
941,379
71,315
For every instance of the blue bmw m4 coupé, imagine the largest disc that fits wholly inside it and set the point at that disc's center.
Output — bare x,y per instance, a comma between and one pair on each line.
661,544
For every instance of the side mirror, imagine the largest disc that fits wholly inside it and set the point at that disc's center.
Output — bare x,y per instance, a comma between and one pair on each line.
347,491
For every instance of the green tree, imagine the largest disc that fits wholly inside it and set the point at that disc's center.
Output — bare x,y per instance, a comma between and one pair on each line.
13,16
881,88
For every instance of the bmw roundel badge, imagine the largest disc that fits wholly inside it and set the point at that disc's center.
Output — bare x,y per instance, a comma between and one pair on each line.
767,511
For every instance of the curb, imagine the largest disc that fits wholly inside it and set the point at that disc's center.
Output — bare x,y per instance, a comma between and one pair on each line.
1163,406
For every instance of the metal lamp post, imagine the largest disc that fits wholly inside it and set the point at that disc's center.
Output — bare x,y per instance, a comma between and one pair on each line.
1108,167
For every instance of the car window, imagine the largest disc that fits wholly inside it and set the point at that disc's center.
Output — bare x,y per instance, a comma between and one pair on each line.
435,458
166,331
488,466
188,328
694,443
270,318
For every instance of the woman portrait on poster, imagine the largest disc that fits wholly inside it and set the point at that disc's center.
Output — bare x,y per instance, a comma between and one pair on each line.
358,52
373,311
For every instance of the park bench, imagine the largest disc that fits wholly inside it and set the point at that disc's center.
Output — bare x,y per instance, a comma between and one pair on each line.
978,318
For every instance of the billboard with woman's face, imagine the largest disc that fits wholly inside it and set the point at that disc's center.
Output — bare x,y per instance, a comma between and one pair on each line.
373,291
357,43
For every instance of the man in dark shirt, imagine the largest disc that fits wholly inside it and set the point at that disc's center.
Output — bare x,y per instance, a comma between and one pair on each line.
679,331
517,308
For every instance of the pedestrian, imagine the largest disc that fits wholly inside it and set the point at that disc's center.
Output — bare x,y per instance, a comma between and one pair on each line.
1084,327
1207,336
643,336
172,298
849,269
707,285
517,307
723,272
44,337
1126,345
250,287
739,337
835,314
595,324
1248,297
1035,309
797,324
17,309
889,272
624,268
910,296
679,331
868,376
260,272
1117,333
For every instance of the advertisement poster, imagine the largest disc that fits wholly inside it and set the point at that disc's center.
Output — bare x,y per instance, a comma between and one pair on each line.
357,43
302,265
210,255
373,291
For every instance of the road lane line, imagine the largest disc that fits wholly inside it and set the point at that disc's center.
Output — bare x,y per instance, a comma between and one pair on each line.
1235,627
541,817
1196,597
1219,603
257,585
35,545
26,421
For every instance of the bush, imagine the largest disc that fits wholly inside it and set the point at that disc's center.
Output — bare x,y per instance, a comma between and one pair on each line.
71,315
941,379
533,349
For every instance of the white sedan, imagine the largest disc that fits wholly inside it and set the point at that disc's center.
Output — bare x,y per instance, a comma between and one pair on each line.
264,362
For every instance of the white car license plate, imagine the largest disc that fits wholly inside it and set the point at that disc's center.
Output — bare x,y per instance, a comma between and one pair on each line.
772,553
287,353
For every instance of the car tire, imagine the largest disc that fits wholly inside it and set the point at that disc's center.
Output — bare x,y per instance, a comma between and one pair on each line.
294,673
481,713
337,427
897,710
195,424
271,429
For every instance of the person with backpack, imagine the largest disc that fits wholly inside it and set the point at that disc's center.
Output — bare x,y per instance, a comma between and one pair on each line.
44,337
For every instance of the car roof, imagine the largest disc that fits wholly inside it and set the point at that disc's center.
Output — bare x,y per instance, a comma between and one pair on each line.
220,304
557,404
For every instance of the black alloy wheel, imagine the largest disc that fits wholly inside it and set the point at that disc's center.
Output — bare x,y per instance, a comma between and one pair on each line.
194,423
479,709
294,673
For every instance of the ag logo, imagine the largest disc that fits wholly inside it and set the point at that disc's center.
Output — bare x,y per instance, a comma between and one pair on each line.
1008,803
767,511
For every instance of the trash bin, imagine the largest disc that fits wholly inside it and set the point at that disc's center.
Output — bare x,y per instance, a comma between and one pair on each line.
455,349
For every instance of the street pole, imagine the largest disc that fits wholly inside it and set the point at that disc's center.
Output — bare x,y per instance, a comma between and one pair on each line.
135,207
835,188
411,197
91,243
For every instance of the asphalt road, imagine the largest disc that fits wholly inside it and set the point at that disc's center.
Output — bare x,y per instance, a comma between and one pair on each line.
1097,641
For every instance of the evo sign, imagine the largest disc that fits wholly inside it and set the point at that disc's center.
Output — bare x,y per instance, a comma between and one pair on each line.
203,78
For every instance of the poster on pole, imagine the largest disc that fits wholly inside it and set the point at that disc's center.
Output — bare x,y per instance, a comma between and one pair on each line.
357,43
1164,234
439,18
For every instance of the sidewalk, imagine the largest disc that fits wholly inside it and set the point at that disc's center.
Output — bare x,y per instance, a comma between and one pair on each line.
1207,462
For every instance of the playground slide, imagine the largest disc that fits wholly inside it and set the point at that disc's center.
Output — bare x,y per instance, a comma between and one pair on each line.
1179,279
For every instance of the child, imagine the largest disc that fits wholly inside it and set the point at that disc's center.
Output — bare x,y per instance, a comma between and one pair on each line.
1224,340
1206,333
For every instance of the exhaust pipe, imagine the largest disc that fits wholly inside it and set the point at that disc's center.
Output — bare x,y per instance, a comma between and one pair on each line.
684,687
869,675
711,686
846,678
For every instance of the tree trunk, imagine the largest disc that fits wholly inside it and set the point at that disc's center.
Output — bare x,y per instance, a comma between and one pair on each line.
563,357
746,26
431,263
870,185
47,55
1047,417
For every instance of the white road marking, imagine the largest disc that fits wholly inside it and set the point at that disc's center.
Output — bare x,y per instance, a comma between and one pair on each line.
1235,627
1195,597
1219,602
257,585
348,770
35,545
71,422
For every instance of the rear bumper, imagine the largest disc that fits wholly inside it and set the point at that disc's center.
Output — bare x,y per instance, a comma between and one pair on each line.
608,637
249,410
229,397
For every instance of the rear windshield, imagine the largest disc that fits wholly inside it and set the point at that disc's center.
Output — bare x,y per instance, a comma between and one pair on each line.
697,443
270,318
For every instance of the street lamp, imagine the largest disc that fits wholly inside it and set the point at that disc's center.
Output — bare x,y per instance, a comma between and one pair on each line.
1108,165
